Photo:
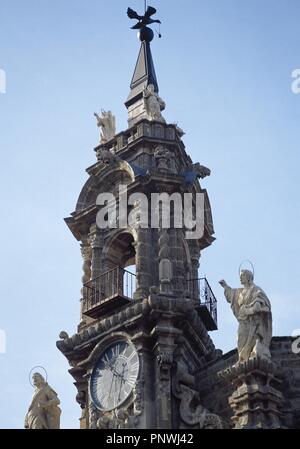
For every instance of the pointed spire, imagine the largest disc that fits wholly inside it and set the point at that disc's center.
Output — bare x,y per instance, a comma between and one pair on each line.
144,74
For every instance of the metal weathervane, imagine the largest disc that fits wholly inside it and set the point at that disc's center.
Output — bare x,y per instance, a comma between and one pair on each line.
144,20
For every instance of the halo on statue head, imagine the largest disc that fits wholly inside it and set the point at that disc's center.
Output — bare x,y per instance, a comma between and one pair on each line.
249,263
35,369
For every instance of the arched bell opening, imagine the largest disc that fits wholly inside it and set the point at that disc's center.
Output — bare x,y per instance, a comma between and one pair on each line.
116,285
121,264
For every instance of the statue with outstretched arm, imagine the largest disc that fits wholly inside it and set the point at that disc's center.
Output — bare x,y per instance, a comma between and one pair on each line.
252,309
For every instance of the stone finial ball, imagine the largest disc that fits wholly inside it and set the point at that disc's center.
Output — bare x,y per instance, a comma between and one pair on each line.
146,34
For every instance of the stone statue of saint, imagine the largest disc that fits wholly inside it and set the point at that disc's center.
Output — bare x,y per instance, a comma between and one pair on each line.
252,309
153,104
107,123
43,412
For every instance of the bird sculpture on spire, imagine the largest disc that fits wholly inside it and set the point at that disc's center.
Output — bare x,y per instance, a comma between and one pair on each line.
143,21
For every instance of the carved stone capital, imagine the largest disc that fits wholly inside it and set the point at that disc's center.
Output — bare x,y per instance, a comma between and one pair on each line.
165,358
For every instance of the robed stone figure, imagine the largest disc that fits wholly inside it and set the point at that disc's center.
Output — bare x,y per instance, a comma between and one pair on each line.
107,123
252,309
153,104
43,412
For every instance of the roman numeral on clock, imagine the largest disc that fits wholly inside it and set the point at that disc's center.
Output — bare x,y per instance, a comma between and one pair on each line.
134,367
131,380
115,351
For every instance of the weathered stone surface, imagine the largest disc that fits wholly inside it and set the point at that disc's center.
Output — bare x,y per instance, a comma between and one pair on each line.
215,391
256,401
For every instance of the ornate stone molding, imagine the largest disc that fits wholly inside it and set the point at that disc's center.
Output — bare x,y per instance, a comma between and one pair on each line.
257,400
96,332
122,418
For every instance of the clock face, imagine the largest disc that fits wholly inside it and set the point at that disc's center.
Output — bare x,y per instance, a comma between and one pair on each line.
114,375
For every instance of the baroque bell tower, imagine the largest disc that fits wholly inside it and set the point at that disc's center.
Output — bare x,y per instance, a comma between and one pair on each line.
143,333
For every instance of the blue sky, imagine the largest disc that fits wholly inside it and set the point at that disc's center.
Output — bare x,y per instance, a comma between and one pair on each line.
224,69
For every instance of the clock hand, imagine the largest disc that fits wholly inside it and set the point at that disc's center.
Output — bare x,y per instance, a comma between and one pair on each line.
115,374
122,380
113,377
111,366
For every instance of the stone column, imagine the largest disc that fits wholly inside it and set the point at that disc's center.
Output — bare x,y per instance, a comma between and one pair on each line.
142,257
256,401
195,260
165,264
164,352
86,252
194,275
96,243
178,258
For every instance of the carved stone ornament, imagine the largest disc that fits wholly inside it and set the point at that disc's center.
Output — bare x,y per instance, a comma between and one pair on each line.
107,157
163,159
202,172
165,358
123,418
81,399
192,413
107,123
196,415
64,335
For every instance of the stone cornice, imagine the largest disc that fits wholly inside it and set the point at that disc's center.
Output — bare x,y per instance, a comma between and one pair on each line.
156,307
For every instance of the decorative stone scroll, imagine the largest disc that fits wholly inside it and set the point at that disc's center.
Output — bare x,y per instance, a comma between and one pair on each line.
192,414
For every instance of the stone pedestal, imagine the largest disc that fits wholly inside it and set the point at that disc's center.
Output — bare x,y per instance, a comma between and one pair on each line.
256,401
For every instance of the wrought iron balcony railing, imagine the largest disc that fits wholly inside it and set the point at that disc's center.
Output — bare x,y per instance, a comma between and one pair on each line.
116,287
113,288
201,291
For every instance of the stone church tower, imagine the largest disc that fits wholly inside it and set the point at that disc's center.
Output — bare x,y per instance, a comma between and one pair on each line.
143,334
142,357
